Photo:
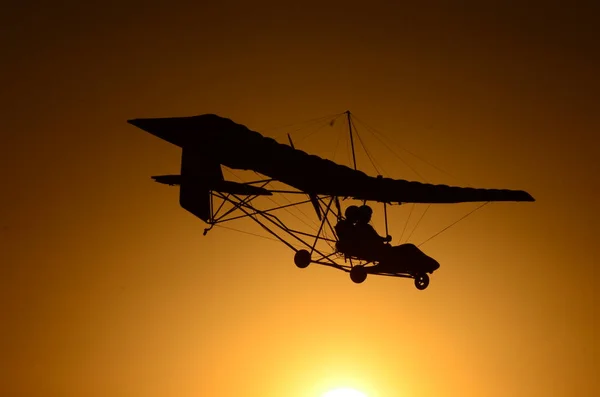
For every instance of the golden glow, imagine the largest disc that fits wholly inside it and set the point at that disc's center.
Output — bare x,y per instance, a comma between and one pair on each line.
109,288
344,392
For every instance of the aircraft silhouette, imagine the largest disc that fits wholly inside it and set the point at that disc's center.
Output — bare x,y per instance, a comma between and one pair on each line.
209,141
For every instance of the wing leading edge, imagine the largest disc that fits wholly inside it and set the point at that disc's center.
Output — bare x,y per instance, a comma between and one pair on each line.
238,147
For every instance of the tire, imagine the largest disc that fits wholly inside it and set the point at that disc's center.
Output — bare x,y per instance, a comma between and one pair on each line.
302,259
358,274
421,281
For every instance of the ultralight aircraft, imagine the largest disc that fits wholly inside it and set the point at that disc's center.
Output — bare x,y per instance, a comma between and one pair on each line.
209,142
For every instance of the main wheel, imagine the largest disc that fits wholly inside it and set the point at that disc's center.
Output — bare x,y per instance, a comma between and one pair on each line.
421,281
302,259
358,274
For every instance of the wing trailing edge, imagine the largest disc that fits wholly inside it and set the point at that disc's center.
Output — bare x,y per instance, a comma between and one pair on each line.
211,140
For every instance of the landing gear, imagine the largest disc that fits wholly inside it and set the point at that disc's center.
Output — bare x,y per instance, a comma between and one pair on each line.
358,274
302,258
421,281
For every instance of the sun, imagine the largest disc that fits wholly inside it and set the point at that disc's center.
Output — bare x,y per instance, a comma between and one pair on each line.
344,392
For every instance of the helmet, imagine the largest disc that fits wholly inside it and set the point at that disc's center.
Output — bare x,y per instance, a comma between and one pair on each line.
351,213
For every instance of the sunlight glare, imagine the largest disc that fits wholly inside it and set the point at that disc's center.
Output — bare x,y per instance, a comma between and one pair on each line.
344,392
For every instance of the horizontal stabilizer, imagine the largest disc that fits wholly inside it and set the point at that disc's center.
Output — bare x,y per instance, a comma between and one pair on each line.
216,186
171,180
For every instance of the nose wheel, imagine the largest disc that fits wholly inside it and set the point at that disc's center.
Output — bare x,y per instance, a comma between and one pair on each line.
358,274
421,281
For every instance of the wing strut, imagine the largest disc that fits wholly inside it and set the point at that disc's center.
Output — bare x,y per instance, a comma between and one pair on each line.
351,138
385,217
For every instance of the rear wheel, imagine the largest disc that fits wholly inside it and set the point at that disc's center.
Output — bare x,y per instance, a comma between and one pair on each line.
358,274
421,281
302,258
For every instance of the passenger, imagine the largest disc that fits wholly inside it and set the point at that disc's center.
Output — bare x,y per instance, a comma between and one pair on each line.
344,227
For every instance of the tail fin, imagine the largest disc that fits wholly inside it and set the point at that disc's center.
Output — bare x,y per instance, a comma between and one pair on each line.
199,171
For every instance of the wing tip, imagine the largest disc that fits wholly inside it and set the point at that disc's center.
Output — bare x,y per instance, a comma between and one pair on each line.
527,197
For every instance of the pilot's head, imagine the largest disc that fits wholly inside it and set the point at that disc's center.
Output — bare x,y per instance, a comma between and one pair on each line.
352,213
364,214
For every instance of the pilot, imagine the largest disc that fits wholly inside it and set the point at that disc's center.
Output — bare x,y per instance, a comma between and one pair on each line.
368,238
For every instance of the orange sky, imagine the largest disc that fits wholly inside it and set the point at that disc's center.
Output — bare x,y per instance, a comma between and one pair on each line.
108,288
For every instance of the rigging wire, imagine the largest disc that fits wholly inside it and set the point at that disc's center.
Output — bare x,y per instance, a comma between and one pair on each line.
313,227
314,224
360,140
321,122
417,224
313,120
304,124
452,224
406,223
376,132
276,203
337,144
381,137
388,147
349,152
249,233
372,158
320,126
